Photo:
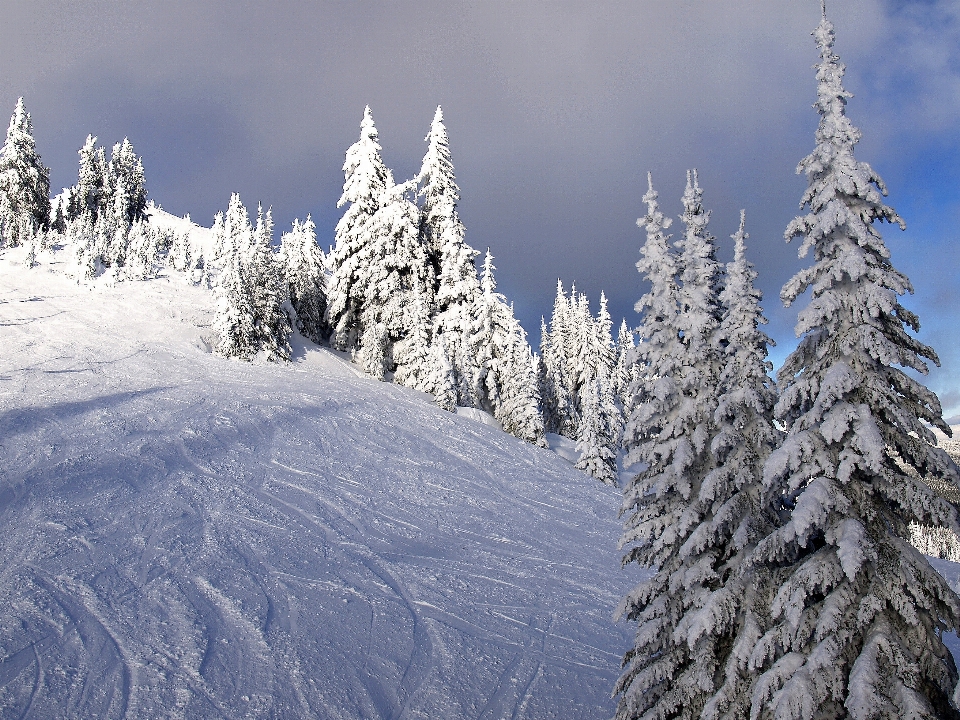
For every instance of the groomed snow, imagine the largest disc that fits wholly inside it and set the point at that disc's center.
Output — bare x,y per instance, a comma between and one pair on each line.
186,536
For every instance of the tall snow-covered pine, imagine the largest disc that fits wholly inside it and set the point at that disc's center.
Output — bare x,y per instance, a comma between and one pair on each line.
673,668
24,182
859,614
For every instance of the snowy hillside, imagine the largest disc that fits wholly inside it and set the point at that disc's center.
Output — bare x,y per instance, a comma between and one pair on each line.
186,536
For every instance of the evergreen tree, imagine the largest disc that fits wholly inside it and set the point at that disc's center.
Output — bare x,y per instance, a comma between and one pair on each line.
859,613
625,360
250,290
268,290
558,407
125,184
598,456
390,274
24,183
505,384
734,611
518,401
365,180
142,252
89,197
304,269
672,670
452,261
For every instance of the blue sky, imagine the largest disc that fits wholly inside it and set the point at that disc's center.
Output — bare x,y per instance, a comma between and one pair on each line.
556,111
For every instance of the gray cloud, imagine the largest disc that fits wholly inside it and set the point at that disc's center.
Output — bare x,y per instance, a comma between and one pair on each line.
556,110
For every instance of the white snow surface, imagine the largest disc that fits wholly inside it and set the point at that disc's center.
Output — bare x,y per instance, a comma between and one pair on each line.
186,536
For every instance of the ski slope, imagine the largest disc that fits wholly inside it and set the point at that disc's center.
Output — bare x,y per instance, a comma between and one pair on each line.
185,536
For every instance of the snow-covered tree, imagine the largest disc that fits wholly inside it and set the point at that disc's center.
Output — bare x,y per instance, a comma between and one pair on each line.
452,260
365,180
672,669
304,270
559,407
859,614
250,289
597,441
125,185
391,271
142,251
422,362
625,360
518,399
505,384
24,182
736,516
90,196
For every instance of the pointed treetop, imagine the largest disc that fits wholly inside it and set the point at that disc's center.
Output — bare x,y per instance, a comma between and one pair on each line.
438,116
823,9
487,281
739,238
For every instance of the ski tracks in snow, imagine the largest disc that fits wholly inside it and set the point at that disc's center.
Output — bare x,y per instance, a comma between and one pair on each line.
190,537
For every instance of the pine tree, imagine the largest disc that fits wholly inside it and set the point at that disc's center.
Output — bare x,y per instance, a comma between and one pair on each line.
859,613
518,401
365,180
452,261
390,272
505,384
734,612
624,362
250,290
24,183
671,671
90,196
304,269
143,248
267,290
558,407
598,456
125,184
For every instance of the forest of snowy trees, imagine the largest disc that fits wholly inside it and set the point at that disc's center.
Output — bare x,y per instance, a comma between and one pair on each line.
779,520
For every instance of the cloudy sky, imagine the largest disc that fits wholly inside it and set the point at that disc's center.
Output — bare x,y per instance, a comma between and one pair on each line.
556,110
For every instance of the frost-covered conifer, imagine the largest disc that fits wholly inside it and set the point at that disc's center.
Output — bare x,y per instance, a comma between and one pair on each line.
268,290
304,269
859,613
518,400
250,290
598,456
412,353
452,260
390,271
142,251
235,321
736,518
24,183
624,361
601,420
89,197
558,406
505,384
365,180
125,184
422,363
672,669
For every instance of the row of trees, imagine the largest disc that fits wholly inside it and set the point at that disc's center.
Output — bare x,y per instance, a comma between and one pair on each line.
103,216
400,290
776,520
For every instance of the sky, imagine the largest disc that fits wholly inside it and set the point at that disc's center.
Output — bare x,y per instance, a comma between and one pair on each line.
555,110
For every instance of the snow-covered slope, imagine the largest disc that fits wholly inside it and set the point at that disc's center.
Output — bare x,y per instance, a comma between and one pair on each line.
185,536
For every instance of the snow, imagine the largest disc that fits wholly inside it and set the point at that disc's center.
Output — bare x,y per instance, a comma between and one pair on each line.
189,536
